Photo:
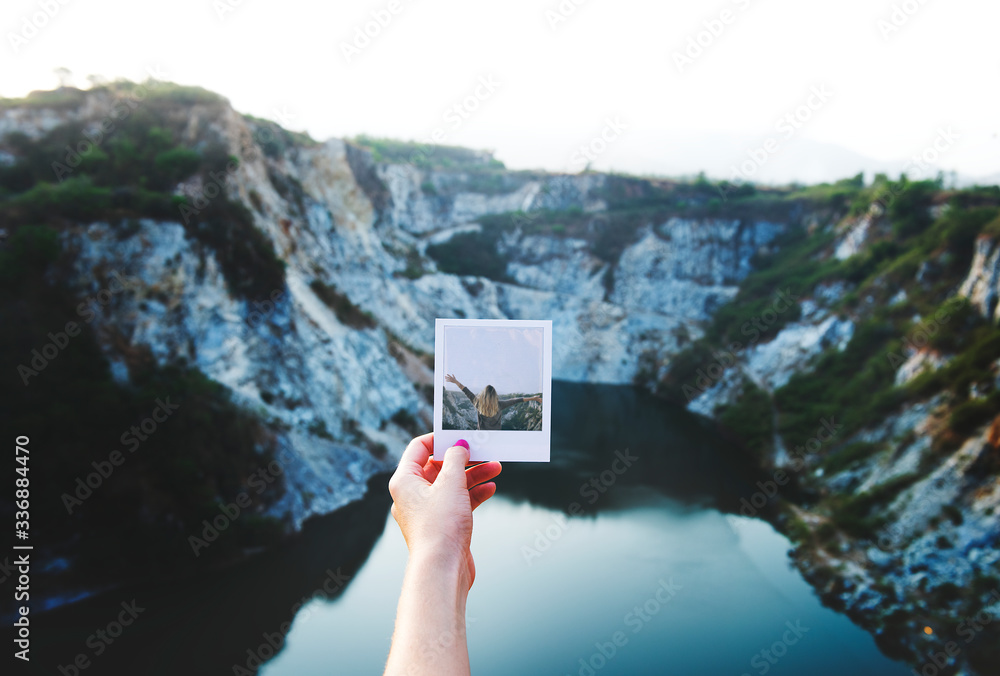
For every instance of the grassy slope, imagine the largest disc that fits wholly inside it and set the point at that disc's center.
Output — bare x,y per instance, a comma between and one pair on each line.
857,384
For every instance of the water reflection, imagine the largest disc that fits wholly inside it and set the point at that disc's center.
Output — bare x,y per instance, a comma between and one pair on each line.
653,484
207,624
684,591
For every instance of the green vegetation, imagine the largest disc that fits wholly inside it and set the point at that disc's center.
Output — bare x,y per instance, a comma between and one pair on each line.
274,140
954,514
249,263
429,156
856,386
347,312
968,416
471,253
853,513
847,194
978,346
751,419
28,249
126,166
407,421
318,428
139,517
849,455
758,312
57,99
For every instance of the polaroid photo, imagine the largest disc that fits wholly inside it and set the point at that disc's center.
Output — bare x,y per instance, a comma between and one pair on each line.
492,387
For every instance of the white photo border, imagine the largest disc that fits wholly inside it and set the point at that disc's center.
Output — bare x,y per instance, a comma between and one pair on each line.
503,445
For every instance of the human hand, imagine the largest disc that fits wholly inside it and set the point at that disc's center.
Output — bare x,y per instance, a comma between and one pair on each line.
453,380
433,501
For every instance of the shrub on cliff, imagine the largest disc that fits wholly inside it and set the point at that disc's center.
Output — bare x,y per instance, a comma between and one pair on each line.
470,253
114,521
79,173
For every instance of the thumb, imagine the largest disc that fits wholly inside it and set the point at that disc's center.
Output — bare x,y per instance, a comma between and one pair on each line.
453,467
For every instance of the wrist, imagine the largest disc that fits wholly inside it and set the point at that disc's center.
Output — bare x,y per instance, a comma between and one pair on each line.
441,557
444,564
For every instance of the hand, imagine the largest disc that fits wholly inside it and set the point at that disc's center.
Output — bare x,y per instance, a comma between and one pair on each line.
433,501
535,399
453,380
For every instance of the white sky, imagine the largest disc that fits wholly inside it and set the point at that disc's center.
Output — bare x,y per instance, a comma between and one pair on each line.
558,86
508,359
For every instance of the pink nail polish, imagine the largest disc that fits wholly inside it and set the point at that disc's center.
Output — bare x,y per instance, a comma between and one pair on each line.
462,442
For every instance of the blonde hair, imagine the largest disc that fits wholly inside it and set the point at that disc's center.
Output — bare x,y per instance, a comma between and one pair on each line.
487,402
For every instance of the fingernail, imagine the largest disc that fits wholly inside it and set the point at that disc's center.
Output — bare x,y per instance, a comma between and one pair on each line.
462,442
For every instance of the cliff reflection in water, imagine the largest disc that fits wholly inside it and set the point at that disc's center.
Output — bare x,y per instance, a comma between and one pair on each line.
235,617
675,451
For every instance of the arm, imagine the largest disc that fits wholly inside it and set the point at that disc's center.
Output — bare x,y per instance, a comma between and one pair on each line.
454,381
505,403
433,504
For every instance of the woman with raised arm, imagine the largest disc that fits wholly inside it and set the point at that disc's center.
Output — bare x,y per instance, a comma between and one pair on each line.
488,405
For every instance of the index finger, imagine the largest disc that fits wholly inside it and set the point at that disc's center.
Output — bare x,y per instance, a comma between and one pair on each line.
416,454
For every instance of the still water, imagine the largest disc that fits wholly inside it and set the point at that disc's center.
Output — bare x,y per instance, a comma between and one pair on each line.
656,576
652,562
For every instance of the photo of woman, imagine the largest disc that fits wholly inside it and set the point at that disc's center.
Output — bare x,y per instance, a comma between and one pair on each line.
488,405
503,403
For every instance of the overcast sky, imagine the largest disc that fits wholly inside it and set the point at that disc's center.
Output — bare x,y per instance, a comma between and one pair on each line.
557,81
508,359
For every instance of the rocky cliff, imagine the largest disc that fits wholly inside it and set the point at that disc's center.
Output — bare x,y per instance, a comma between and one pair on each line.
311,353
881,416
304,277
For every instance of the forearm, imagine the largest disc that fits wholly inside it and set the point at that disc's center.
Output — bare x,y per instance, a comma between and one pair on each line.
430,620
